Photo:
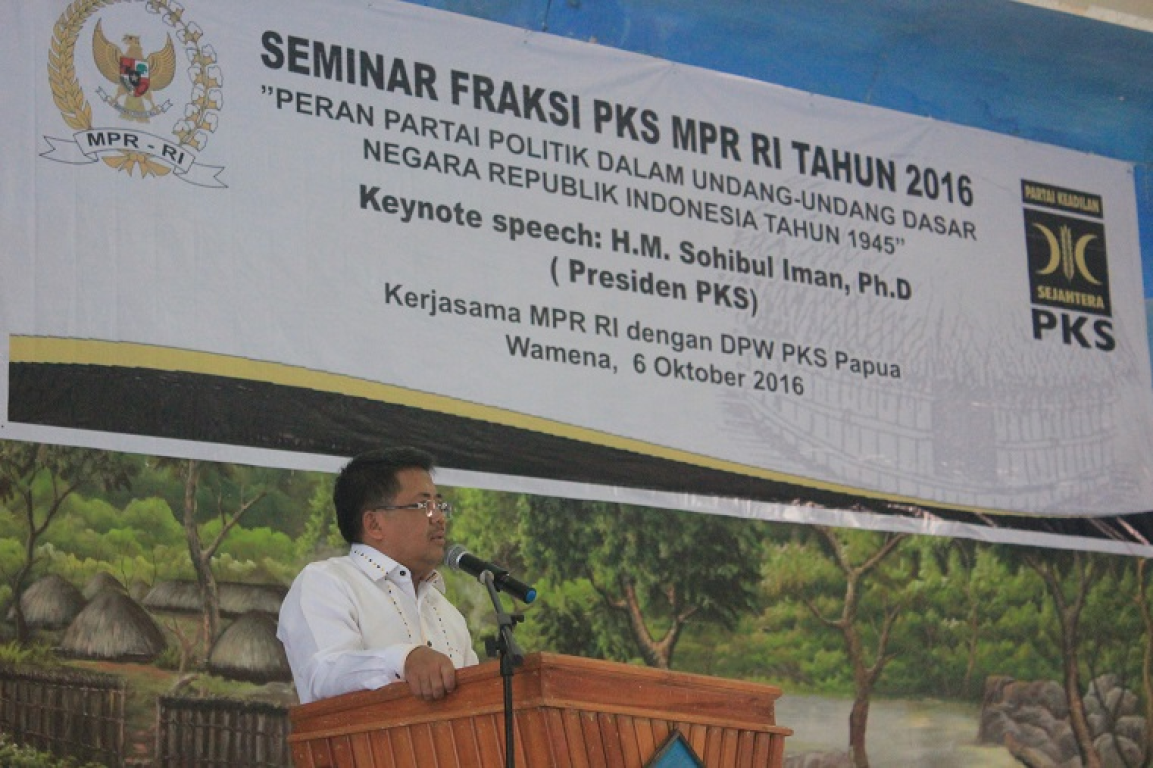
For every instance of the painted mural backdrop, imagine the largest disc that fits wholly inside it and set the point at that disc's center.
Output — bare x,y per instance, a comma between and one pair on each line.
893,648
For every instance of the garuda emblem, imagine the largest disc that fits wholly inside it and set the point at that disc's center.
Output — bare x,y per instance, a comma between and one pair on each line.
138,79
136,76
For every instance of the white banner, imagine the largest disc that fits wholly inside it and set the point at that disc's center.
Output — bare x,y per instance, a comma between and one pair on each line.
399,203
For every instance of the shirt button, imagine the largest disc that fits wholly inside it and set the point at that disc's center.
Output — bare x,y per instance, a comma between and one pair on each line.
404,573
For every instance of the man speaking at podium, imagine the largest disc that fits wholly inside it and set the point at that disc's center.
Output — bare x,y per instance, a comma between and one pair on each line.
378,614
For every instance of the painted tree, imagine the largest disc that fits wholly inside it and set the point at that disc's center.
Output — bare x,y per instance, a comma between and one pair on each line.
1142,599
230,501
130,542
963,588
937,639
492,524
652,571
950,567
35,482
848,582
1069,578
321,536
1112,646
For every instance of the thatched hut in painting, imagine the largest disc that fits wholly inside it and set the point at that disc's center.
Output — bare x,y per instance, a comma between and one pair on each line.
102,580
50,603
236,599
113,626
248,650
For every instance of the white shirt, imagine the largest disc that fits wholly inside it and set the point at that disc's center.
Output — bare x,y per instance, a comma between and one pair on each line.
348,623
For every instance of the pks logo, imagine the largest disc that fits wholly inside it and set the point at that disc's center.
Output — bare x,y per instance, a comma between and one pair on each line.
140,80
1068,266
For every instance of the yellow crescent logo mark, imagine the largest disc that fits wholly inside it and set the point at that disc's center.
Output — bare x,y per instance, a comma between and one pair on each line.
1066,256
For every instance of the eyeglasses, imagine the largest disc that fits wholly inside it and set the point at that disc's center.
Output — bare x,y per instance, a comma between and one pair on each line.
428,507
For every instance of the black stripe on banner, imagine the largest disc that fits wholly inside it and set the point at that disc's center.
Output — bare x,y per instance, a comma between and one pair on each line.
218,409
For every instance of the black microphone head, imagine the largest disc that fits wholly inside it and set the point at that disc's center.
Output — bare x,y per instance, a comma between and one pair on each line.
453,555
458,558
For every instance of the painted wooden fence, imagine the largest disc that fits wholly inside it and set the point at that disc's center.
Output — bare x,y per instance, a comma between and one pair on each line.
67,712
214,733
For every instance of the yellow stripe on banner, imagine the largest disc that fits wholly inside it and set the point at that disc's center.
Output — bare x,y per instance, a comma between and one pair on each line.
65,351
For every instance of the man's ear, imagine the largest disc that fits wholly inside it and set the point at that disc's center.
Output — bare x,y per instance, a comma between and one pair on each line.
370,526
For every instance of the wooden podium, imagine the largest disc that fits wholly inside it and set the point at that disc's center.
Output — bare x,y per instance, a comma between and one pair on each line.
569,711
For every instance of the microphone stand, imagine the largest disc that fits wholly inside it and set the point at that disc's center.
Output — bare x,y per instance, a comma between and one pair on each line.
511,656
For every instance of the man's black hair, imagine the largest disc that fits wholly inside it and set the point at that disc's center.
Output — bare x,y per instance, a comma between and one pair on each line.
370,479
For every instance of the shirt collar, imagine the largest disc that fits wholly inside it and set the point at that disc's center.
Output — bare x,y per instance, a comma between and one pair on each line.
377,565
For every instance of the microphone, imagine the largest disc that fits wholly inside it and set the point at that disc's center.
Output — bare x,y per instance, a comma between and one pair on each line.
459,559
